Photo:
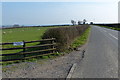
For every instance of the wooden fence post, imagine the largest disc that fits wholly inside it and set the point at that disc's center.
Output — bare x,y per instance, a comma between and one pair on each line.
53,44
24,45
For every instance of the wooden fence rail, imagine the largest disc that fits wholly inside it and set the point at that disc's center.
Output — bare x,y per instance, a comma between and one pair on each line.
25,52
30,41
28,47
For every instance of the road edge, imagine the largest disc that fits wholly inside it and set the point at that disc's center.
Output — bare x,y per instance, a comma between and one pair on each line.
71,71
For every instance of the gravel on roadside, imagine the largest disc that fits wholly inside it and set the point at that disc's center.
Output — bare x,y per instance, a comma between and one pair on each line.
51,68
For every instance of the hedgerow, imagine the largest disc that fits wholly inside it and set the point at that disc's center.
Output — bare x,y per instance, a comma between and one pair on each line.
64,35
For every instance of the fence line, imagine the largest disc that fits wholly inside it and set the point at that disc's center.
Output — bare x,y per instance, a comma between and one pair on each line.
30,41
25,52
28,47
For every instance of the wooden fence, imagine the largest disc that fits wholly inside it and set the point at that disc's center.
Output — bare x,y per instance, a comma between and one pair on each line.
24,52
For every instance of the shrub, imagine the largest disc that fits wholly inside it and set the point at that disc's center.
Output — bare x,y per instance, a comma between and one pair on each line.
58,54
64,35
44,57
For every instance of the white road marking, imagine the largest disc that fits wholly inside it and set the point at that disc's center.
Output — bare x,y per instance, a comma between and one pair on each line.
71,71
113,36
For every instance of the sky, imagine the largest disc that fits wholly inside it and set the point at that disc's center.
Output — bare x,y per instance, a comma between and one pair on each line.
119,12
50,13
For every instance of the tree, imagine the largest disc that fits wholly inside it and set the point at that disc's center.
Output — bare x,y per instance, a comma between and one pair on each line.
79,22
84,21
73,22
91,22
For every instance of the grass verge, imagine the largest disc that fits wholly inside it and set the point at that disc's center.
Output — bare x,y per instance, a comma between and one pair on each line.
82,39
114,28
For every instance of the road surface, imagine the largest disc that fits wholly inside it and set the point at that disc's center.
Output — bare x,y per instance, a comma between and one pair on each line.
101,56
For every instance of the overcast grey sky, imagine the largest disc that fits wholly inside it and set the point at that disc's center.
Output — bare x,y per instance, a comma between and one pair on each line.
44,13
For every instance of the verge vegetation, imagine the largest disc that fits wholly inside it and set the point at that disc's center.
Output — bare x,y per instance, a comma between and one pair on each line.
81,40
111,26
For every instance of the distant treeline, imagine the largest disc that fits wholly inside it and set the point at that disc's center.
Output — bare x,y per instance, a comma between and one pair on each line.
110,25
33,26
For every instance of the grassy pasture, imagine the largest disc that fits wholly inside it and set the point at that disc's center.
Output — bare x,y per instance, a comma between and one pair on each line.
20,34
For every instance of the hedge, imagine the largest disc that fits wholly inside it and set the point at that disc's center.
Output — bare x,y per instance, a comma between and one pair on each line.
64,35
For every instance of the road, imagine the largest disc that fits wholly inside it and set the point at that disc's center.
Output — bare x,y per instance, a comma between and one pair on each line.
101,56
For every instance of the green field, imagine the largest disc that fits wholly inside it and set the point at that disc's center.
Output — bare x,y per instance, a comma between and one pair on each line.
20,34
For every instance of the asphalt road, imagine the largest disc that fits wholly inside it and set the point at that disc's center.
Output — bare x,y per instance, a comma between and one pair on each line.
101,56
